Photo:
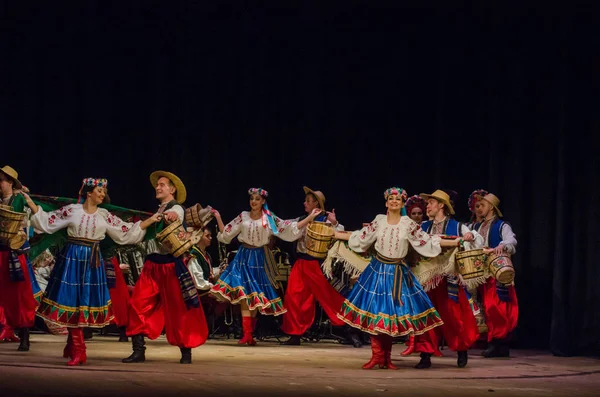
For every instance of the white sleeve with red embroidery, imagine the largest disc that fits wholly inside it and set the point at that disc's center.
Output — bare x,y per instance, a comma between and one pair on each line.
425,244
121,232
361,240
288,229
53,221
232,229
509,239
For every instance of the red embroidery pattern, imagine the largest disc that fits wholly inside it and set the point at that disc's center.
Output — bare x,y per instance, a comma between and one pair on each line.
80,228
124,229
87,224
61,214
113,220
93,226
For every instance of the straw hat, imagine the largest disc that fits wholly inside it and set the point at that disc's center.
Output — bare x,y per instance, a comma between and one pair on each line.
181,193
440,196
12,174
318,194
493,200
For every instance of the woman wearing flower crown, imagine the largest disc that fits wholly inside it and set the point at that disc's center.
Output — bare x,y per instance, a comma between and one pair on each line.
387,300
249,280
77,293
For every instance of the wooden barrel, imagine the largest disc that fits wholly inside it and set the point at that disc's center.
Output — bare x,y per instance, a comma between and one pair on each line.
501,267
175,239
471,263
319,236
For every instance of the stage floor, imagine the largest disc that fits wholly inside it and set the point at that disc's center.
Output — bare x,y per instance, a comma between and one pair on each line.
222,368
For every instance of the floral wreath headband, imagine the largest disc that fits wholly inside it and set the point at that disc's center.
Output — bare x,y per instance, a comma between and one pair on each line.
416,201
395,190
95,182
473,198
260,191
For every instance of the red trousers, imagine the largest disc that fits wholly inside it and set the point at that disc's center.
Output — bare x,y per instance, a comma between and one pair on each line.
157,304
305,285
16,297
460,326
500,317
120,297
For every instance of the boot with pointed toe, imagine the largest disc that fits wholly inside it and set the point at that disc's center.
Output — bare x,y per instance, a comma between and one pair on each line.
410,346
79,349
377,353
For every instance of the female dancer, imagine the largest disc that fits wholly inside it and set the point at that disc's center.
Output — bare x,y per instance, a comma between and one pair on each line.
77,295
387,300
249,280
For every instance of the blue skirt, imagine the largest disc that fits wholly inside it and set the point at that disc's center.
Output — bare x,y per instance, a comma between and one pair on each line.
35,287
77,294
247,278
372,307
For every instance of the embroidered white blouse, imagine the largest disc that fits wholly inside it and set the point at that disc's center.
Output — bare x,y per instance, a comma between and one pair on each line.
252,232
94,226
392,241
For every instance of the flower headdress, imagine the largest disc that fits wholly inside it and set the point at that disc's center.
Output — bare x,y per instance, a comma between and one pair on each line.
95,182
398,191
268,218
260,191
473,199
415,201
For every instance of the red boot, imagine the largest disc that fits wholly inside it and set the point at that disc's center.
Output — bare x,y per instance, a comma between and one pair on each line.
68,350
387,342
247,325
8,334
79,355
410,346
377,353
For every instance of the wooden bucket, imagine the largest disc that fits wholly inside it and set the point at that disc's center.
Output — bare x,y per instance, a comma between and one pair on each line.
10,224
470,263
196,216
175,239
319,236
501,267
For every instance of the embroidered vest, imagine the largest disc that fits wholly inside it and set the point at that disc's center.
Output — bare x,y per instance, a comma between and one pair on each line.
495,232
451,227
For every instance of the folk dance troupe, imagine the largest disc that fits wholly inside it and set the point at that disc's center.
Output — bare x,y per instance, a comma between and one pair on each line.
425,276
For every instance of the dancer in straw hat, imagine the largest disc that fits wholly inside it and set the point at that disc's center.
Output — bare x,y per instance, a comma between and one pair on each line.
249,280
77,294
452,300
387,300
19,290
165,296
499,301
306,283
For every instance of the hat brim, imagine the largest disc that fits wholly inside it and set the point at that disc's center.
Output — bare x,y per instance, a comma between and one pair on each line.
308,190
16,183
180,194
492,204
426,196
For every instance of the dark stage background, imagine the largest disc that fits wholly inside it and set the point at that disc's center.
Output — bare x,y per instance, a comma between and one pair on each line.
348,97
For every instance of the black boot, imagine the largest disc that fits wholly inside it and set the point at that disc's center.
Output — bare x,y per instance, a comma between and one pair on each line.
463,358
24,336
123,334
425,361
138,355
497,348
186,355
354,338
293,341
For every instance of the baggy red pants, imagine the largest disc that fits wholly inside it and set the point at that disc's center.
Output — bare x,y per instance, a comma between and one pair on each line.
16,297
460,326
157,304
500,317
305,285
119,295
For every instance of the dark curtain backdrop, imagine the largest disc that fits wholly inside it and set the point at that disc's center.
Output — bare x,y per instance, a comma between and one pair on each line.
346,97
